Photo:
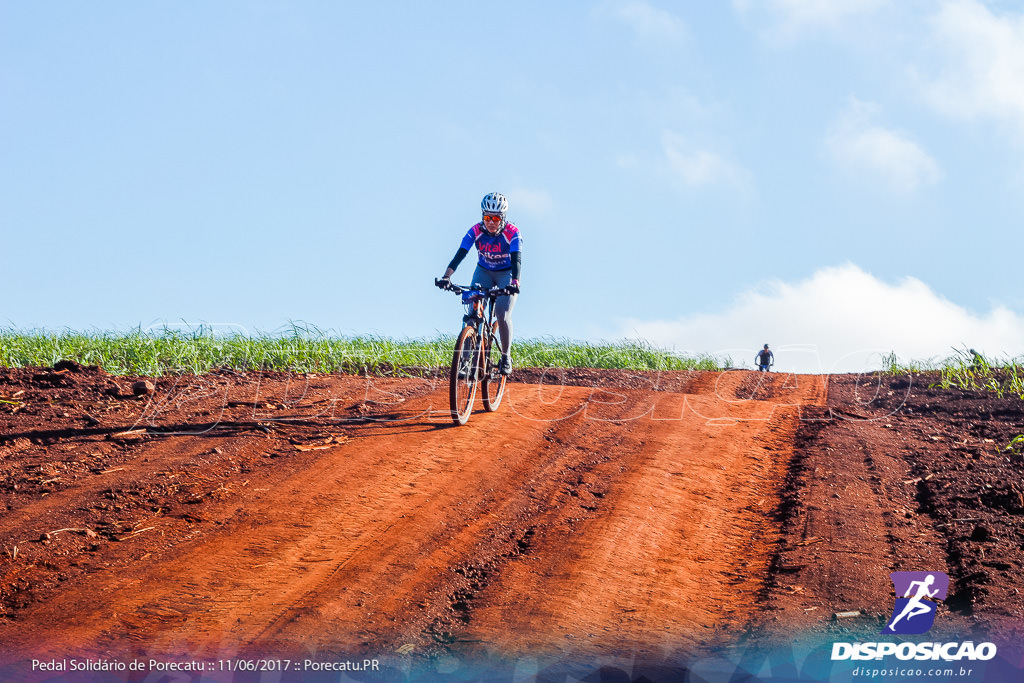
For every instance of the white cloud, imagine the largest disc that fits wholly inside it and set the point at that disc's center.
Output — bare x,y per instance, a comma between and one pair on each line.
788,18
689,167
700,168
976,68
841,319
865,148
649,23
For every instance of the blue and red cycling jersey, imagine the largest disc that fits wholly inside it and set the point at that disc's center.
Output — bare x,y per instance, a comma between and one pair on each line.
494,252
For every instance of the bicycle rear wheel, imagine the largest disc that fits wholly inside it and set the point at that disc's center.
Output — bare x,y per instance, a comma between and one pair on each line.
464,375
494,381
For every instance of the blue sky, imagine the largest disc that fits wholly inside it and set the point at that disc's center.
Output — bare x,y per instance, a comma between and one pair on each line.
839,179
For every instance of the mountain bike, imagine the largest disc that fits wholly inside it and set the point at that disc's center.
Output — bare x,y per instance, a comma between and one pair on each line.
477,353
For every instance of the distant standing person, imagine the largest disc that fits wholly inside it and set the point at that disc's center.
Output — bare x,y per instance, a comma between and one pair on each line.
765,359
499,259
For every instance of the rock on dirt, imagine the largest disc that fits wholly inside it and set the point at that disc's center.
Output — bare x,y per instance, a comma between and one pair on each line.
143,387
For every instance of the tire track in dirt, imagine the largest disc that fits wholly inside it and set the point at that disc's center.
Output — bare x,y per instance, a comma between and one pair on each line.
683,537
848,507
369,504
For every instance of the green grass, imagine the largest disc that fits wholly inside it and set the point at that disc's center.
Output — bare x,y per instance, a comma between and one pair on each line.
307,349
964,371
891,365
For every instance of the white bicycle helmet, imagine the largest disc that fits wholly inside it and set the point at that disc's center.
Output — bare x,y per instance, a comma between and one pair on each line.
494,203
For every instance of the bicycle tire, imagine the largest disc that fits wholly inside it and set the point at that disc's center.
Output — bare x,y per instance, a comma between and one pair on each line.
494,382
462,390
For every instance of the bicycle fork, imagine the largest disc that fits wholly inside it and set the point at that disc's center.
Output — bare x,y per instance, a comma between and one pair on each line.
471,364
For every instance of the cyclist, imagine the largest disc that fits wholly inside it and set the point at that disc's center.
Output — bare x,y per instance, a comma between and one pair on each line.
765,359
499,259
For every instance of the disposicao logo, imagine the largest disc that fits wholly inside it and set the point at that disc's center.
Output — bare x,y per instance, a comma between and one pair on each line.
916,592
913,614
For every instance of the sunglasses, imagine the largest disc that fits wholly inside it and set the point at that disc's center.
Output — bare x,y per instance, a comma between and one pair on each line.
492,219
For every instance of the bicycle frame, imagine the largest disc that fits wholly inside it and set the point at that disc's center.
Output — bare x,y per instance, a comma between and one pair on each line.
483,324
474,361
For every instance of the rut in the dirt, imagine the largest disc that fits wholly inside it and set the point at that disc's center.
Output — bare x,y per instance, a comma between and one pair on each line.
560,493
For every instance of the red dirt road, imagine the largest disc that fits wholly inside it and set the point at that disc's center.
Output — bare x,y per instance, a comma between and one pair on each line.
642,516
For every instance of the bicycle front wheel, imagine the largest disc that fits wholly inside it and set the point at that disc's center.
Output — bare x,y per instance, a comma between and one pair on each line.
494,381
463,377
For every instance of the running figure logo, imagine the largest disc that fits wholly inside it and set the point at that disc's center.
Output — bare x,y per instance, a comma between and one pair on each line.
916,592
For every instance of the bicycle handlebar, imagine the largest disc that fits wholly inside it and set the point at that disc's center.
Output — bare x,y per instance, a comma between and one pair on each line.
459,289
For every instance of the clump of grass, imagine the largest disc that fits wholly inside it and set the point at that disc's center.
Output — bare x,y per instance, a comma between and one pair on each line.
891,365
305,348
973,372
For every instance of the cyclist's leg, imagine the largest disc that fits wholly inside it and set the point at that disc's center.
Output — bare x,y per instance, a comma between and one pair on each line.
503,310
503,304
482,277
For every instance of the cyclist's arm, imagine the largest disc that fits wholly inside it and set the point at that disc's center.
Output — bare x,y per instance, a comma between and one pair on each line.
517,262
459,255
467,241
